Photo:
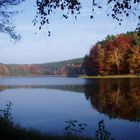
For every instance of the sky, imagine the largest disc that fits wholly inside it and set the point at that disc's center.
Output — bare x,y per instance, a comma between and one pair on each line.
69,38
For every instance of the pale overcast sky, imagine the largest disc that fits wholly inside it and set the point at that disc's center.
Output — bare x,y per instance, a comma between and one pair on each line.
70,39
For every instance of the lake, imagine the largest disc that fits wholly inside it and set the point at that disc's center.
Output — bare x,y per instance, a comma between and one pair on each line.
49,103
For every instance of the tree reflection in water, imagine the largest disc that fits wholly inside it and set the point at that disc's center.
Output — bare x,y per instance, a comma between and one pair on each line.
117,98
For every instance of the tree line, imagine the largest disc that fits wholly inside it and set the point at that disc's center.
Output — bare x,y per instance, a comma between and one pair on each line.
64,68
118,54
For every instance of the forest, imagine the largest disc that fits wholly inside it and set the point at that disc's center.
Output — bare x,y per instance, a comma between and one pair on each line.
119,54
115,55
64,68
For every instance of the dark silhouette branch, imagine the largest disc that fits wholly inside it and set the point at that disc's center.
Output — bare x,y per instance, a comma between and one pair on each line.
119,10
6,18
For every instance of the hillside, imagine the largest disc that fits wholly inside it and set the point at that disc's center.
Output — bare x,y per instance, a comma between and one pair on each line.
64,68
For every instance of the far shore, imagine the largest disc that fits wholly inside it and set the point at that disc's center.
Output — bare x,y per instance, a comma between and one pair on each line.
109,76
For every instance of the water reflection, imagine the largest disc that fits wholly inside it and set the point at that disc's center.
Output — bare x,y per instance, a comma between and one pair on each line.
73,88
3,87
117,98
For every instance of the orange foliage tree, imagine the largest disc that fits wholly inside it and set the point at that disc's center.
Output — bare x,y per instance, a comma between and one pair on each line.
118,54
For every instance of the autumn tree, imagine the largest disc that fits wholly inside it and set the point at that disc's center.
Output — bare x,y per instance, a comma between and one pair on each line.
117,48
98,56
118,54
134,59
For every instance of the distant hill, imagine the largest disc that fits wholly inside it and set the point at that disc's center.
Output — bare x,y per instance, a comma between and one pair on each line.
71,67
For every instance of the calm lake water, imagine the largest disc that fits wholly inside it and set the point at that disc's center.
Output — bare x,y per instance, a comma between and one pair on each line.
45,103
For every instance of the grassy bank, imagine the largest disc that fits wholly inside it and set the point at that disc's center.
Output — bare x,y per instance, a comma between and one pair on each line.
109,76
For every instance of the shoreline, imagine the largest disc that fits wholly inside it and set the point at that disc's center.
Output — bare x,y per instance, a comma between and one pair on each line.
80,76
109,76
